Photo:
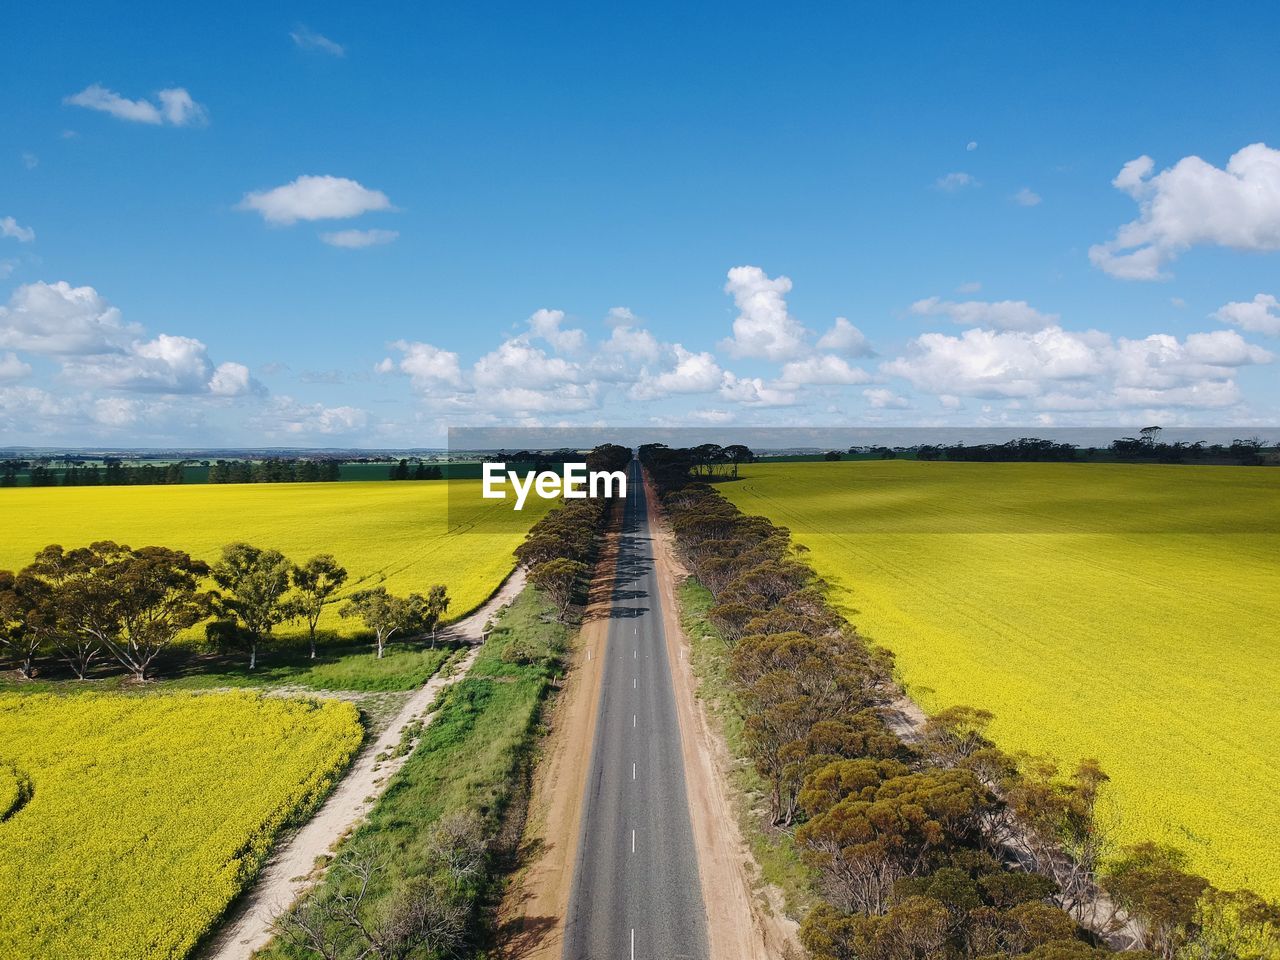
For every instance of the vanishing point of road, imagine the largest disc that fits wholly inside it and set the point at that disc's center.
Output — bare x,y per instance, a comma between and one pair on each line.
636,893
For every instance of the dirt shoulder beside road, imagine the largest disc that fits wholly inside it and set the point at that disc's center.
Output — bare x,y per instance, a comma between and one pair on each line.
531,918
740,923
297,862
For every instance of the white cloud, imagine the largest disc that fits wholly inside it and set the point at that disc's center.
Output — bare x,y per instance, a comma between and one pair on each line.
358,239
883,399
13,368
1194,203
30,160
621,316
1058,369
692,373
1259,315
96,348
59,319
1026,197
314,198
9,227
231,380
545,323
754,392
1000,314
176,107
635,343
179,109
522,401
763,327
823,369
307,39
844,337
517,362
969,286
951,182
971,145
165,364
428,367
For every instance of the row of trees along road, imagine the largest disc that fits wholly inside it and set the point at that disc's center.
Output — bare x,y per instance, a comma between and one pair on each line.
558,550
108,600
942,847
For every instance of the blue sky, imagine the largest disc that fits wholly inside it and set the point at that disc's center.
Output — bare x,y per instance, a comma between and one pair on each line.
551,203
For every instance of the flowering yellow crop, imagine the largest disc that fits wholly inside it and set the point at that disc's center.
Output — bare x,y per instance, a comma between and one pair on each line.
148,814
385,534
1117,611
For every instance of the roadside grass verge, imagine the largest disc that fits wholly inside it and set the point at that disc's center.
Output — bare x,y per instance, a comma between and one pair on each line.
774,850
471,759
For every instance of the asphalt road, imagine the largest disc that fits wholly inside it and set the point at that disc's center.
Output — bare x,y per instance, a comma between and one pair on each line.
636,893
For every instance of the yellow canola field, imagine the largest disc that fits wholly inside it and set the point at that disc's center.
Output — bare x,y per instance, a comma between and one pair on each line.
148,814
1122,612
391,534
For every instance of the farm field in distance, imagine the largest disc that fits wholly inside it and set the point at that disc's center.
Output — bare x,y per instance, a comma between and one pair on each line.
142,817
386,534
1121,612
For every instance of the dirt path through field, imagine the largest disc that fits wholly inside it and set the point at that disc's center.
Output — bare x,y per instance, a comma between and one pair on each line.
295,865
531,919
740,922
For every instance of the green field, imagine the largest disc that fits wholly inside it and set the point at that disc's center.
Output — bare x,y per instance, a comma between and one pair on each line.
145,816
1117,611
390,534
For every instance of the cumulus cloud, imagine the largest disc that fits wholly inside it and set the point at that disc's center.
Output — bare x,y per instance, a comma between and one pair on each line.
951,182
545,323
95,347
635,343
12,367
822,370
1026,197
691,373
59,319
304,38
314,198
1259,315
763,328
1194,203
10,227
1059,369
428,367
358,239
231,380
175,106
165,364
1000,314
517,361
754,392
844,337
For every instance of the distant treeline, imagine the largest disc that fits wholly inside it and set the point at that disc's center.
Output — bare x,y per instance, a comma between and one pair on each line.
115,473
419,471
1147,447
